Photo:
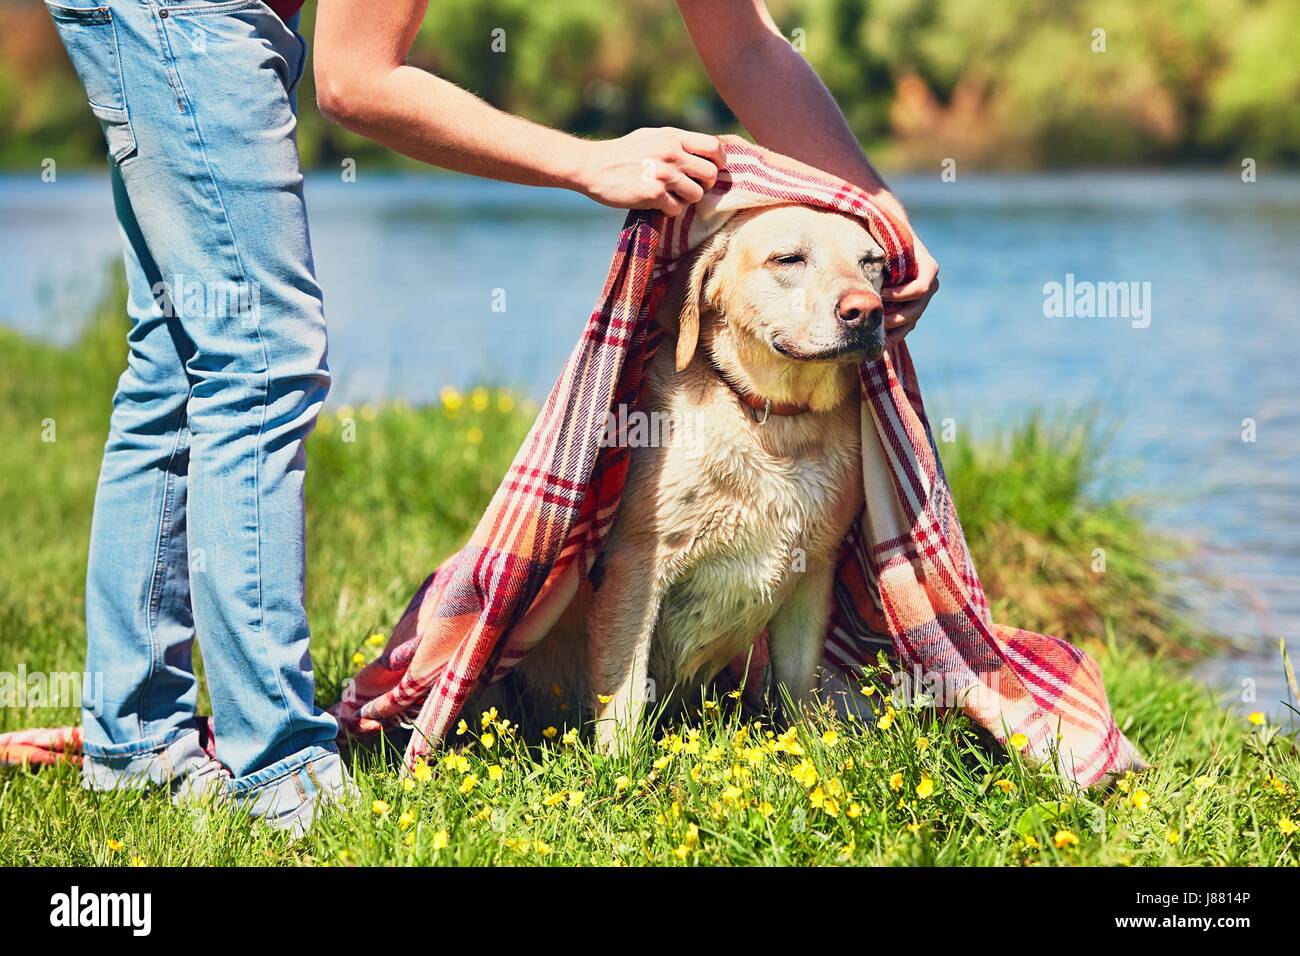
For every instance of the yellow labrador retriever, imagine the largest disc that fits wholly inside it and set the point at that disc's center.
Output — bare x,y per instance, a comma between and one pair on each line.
733,525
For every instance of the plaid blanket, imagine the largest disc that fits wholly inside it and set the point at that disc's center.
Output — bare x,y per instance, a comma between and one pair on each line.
905,577
904,580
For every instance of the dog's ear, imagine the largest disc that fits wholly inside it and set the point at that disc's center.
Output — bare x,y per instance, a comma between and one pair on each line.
698,273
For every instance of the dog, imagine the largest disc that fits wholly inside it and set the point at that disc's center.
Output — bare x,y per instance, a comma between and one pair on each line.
734,525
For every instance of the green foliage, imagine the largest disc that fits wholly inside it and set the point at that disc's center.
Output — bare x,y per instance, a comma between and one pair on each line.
714,789
1011,83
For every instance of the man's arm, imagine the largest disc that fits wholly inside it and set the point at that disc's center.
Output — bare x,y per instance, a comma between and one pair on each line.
786,107
364,84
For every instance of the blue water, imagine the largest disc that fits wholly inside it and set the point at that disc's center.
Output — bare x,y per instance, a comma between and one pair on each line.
410,266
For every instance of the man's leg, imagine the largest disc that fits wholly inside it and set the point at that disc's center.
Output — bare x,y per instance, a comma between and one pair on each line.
213,179
138,623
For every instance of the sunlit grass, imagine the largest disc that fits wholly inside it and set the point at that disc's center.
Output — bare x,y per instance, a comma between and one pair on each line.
393,489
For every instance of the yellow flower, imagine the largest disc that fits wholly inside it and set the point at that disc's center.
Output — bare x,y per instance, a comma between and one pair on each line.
789,743
1031,843
914,828
441,839
1005,785
1287,826
576,797
505,402
406,819
487,740
1018,741
886,720
896,780
922,744
682,851
479,399
451,399
804,773
542,848
661,762
116,846
358,659
495,772
549,733
469,783
765,808
474,435
137,860
732,795
621,783
830,738
604,698
379,808
487,717
925,788
866,690
553,799
422,772
1065,838
462,728
854,811
570,736
1140,800
408,784
1257,718
456,761
1173,836
375,640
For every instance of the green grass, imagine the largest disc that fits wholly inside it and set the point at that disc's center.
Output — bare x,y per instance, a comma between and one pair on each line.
385,507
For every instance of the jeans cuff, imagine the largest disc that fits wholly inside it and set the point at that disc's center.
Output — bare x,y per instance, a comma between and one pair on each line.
142,763
287,793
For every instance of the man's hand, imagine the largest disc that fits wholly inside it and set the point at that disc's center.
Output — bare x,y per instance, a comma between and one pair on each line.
665,169
775,92
905,303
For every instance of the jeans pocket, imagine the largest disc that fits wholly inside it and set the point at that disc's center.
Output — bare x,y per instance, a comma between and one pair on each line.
90,38
194,8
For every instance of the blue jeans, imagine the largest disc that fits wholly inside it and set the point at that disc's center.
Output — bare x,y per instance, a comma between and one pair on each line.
198,523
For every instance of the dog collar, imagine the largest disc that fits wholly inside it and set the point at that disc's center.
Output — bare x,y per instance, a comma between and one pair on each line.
760,409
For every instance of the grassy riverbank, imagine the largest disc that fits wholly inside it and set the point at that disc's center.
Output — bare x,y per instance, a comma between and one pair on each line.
386,506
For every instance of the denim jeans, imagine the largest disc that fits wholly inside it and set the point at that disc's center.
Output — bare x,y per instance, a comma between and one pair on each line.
198,522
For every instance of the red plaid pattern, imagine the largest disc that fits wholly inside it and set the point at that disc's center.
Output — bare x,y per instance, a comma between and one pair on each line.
905,578
904,581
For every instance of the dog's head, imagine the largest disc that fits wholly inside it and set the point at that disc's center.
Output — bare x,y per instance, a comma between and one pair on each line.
787,284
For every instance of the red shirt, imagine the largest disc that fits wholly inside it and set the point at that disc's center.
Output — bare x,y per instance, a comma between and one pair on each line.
285,8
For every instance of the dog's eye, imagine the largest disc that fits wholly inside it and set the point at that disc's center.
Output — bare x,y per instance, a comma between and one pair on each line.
789,259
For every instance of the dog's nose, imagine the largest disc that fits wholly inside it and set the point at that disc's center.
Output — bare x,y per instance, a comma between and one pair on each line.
859,308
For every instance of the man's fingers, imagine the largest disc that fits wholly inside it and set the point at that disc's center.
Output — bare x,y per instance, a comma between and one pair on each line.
685,188
670,205
910,290
905,315
702,144
699,169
